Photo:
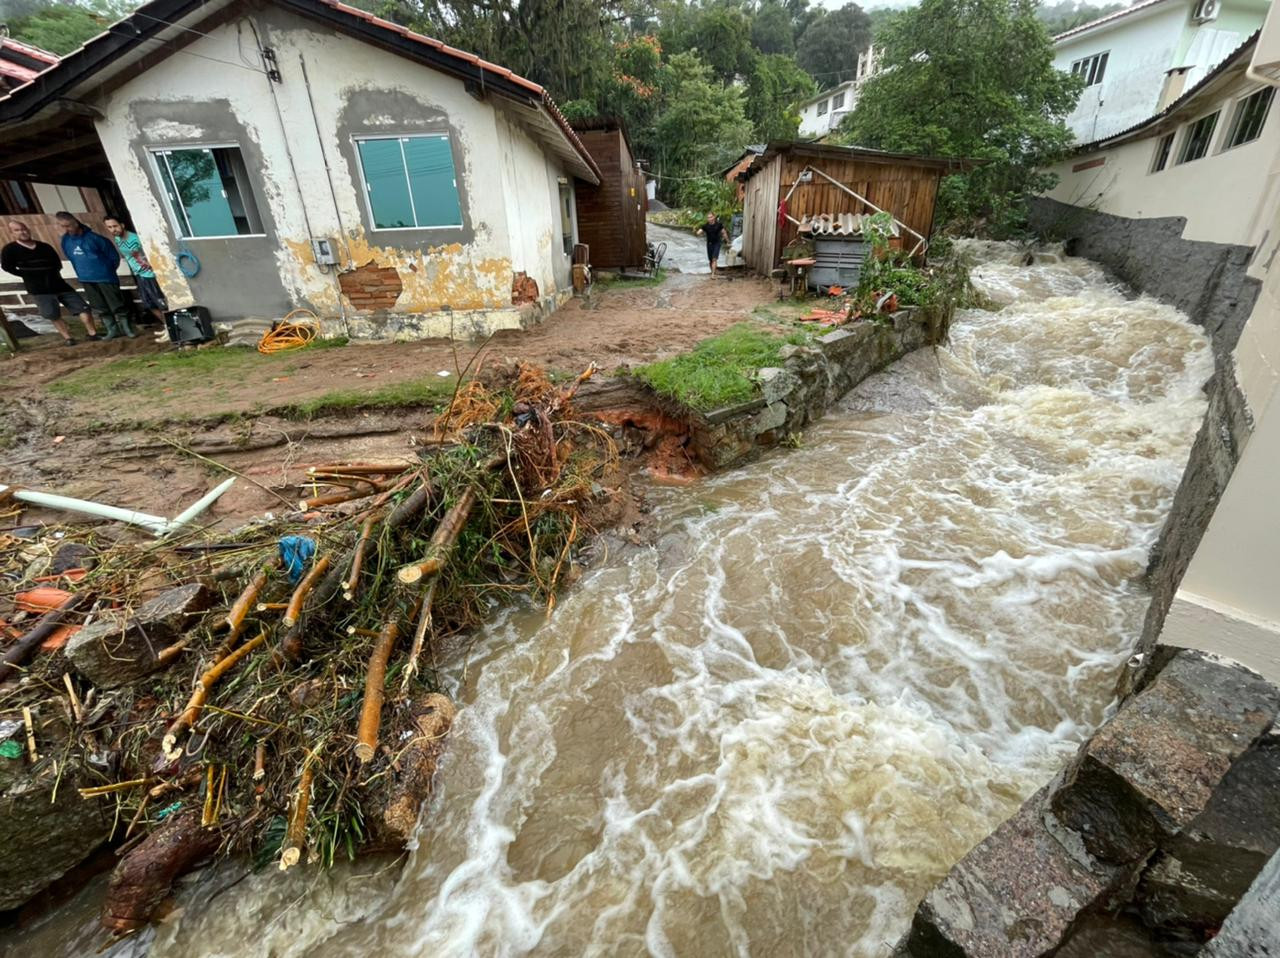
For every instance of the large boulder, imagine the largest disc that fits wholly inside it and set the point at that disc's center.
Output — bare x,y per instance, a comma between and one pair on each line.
46,828
1250,931
1017,893
1150,771
119,647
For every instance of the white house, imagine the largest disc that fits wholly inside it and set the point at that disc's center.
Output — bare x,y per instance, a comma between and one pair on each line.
1136,61
1191,196
821,114
288,154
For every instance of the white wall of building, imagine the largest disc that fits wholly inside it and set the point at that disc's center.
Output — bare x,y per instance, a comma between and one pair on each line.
1139,48
354,87
1142,47
813,123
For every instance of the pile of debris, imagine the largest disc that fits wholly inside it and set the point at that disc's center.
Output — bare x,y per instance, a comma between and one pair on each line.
276,692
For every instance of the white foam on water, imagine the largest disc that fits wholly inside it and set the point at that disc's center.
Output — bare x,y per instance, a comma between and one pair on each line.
842,667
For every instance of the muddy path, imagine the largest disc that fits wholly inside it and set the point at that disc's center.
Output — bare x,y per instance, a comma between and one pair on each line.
125,423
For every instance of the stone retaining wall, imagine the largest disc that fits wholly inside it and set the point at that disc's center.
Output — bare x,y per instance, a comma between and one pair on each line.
810,380
1208,282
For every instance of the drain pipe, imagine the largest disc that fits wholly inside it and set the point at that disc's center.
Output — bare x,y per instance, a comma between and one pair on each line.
157,525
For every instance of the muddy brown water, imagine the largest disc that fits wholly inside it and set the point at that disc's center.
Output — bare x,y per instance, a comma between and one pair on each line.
838,669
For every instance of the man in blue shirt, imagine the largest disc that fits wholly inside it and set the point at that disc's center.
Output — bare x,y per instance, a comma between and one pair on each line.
95,259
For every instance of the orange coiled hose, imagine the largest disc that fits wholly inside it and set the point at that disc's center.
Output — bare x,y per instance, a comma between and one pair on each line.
289,335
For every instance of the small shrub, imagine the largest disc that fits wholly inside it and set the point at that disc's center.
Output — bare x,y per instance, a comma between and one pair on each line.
718,371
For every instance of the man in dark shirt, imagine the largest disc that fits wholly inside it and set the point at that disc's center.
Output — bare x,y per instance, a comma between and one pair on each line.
713,230
95,260
40,269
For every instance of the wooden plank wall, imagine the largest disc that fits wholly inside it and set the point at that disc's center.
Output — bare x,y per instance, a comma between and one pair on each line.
760,218
610,219
907,191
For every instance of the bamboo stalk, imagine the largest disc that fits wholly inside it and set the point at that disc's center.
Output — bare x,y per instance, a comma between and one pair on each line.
206,813
374,682
76,708
295,837
334,498
362,468
294,612
240,608
368,633
114,787
260,762
410,506
419,635
31,734
442,540
201,694
272,606
357,559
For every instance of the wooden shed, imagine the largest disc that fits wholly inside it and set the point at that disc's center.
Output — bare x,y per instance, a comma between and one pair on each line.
611,216
794,182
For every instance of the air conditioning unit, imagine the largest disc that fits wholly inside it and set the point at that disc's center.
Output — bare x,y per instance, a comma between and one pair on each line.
1206,10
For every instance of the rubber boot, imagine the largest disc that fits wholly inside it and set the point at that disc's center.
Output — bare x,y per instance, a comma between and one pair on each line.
127,327
109,323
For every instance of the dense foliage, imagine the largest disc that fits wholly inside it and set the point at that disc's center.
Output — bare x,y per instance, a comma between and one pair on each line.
61,27
971,78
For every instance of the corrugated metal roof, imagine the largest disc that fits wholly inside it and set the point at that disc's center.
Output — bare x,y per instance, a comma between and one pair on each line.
838,224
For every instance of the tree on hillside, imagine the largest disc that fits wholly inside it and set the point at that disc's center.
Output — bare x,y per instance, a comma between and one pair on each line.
702,125
61,27
971,78
881,17
720,35
772,30
829,47
776,84
1069,14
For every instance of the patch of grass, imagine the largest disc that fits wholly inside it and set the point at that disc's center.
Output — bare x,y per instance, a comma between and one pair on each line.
150,374
413,392
718,371
620,282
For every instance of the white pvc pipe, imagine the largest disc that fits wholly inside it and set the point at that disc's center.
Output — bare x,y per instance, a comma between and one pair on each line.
158,525
199,506
68,504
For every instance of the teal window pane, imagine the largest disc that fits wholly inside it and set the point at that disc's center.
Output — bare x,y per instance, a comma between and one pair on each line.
429,163
195,178
385,184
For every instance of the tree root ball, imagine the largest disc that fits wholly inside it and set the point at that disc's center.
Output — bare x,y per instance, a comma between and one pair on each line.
433,717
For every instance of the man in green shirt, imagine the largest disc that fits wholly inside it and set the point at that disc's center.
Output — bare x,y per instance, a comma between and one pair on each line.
131,252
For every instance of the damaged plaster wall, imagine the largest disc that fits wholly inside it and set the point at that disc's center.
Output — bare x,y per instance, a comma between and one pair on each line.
304,173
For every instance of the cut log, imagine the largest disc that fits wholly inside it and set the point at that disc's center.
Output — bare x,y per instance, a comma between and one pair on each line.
240,608
410,506
144,878
442,540
295,836
334,498
25,646
357,559
374,681
294,612
201,694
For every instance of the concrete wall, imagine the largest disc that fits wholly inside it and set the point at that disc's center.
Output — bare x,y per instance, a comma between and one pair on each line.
1204,236
813,125
304,172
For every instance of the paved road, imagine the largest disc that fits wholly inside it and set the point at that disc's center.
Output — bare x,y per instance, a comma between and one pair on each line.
685,252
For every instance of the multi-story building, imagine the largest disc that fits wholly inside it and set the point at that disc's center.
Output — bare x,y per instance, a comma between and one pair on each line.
1137,61
822,113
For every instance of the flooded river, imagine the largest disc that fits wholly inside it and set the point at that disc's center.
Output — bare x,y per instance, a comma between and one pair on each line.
838,669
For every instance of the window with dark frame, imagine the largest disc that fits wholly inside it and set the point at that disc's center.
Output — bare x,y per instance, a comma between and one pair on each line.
208,192
1199,136
837,102
822,108
409,181
1163,149
1250,117
18,199
1092,69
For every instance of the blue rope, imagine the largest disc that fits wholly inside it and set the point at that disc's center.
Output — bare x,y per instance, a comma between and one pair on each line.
192,265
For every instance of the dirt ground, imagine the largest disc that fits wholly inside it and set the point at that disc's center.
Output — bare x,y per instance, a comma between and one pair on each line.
82,423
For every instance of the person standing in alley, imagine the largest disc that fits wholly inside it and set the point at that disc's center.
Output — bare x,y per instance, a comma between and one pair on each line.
130,247
713,230
39,267
95,259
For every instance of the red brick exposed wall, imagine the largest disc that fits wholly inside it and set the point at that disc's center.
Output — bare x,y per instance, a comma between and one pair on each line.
371,287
